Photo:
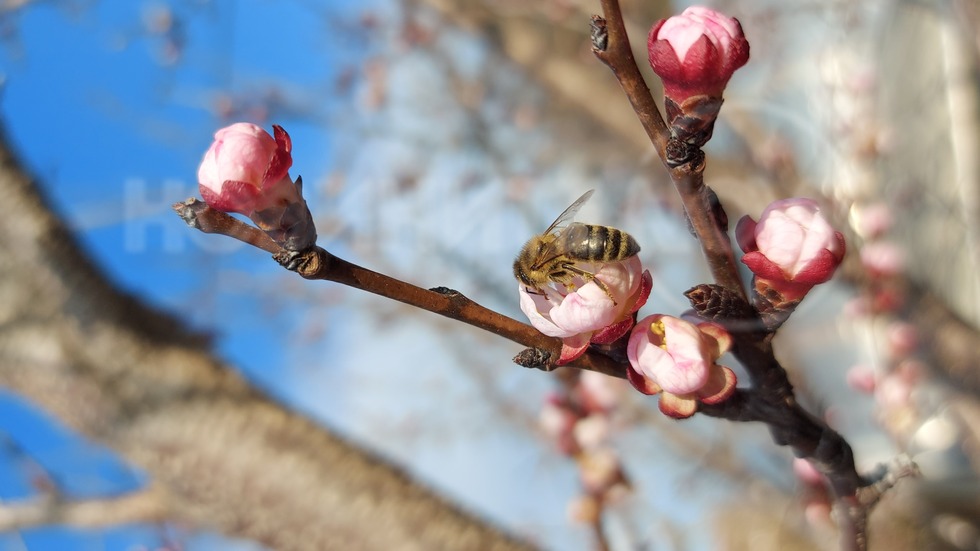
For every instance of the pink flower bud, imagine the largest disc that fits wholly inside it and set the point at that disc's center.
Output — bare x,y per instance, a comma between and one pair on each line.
696,52
883,259
600,393
587,313
247,171
677,358
242,166
861,378
791,248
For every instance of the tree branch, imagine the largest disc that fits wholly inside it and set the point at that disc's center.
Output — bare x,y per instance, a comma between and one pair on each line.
147,505
230,458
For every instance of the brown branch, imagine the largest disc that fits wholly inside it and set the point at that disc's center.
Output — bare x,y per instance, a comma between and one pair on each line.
618,56
147,505
611,45
318,264
773,400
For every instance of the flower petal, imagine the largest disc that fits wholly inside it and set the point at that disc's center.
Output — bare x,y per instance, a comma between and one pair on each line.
678,407
745,234
722,340
573,347
643,384
721,384
612,333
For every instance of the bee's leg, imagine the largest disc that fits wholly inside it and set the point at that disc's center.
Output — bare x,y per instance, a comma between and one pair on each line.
589,276
533,291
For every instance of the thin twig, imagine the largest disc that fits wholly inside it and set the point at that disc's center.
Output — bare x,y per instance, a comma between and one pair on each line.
316,263
198,215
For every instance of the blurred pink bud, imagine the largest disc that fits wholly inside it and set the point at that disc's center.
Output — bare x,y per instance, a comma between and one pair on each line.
599,392
677,358
557,421
592,431
696,52
883,258
247,171
791,248
861,378
872,221
584,510
586,313
892,393
807,473
600,470
903,338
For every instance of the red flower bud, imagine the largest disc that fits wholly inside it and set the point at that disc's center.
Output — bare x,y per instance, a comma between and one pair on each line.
791,248
247,171
696,52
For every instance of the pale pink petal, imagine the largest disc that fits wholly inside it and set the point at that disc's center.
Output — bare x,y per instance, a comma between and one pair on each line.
533,305
645,385
719,386
573,347
678,407
722,340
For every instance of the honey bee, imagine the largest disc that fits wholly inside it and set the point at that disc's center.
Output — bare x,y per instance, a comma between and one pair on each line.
554,256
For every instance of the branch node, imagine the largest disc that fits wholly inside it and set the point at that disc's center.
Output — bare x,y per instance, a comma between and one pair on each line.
599,33
307,263
445,291
534,358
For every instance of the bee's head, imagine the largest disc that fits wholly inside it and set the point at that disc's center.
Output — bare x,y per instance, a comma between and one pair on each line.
520,274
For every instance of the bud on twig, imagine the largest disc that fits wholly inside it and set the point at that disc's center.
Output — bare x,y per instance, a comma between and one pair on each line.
695,54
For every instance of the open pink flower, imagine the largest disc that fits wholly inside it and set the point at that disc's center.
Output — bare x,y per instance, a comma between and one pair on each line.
587,314
247,171
696,52
791,248
677,358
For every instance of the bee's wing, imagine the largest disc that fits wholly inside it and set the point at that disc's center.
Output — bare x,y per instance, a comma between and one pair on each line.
565,217
560,225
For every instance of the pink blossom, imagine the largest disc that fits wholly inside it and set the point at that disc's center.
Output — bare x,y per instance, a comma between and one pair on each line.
807,473
903,338
883,258
244,169
696,52
247,171
791,248
861,378
678,358
872,221
587,313
600,393
557,420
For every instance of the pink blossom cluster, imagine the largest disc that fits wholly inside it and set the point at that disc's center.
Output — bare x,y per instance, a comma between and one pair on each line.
580,420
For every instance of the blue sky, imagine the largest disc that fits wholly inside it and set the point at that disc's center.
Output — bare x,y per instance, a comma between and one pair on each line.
115,135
